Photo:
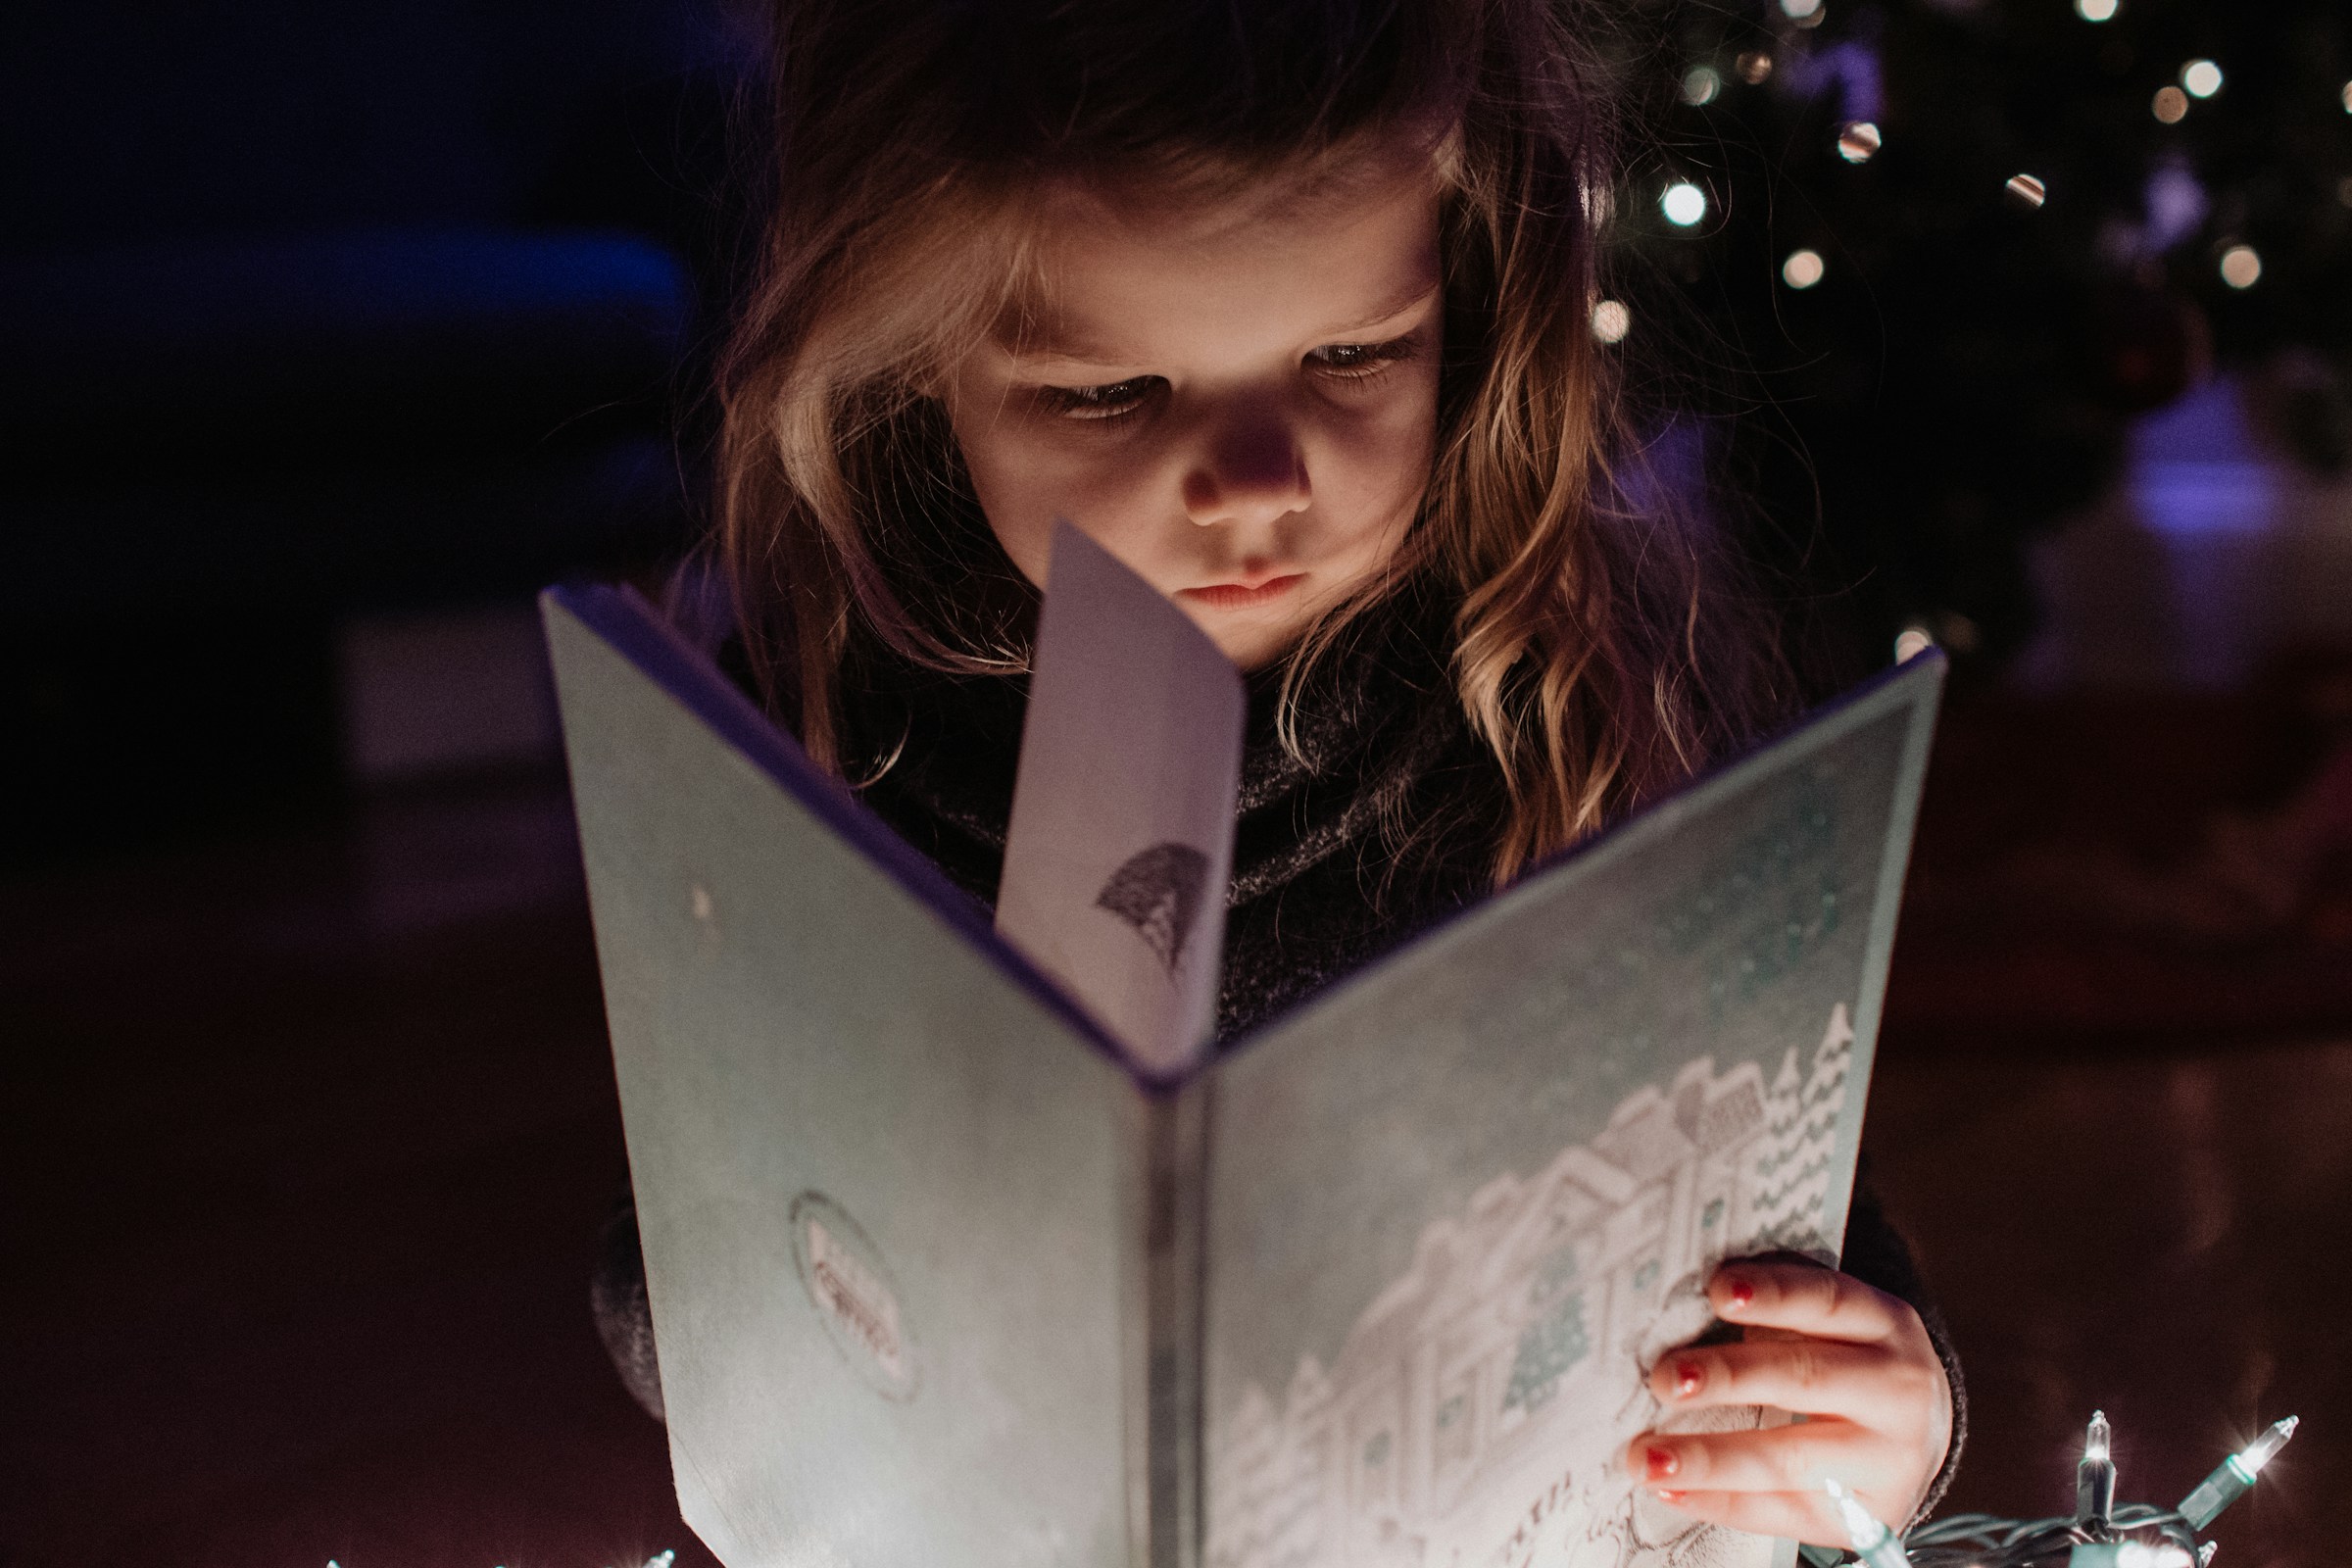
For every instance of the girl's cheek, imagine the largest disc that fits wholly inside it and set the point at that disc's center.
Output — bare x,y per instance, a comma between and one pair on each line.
1120,494
1387,446
1087,472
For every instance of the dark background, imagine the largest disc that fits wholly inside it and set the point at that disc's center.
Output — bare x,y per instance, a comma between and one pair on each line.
326,335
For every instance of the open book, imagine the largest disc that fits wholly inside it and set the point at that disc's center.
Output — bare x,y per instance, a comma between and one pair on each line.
961,1251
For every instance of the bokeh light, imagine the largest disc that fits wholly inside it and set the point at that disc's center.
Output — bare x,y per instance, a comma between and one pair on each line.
1800,9
2027,189
2201,78
1803,268
1611,320
1857,141
1683,202
1756,66
2095,10
2169,105
1700,84
2241,267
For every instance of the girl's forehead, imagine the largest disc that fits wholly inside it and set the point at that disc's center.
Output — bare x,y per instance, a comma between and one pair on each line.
1122,281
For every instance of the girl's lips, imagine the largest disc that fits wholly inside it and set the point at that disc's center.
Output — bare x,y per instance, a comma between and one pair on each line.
1240,595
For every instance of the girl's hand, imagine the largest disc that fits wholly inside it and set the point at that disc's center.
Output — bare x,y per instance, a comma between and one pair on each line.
1854,1361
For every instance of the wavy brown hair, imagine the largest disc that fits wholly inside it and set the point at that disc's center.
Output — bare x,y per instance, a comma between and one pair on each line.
1601,650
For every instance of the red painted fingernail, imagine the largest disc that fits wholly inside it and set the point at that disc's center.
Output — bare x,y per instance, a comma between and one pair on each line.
1689,1378
1661,1462
1740,1291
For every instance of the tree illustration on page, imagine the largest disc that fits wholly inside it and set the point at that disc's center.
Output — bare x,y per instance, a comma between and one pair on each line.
1157,890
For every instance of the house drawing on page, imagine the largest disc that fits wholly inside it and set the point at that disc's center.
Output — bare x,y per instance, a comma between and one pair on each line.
1473,1414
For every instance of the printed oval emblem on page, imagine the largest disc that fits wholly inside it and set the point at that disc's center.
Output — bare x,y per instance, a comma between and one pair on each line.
855,1295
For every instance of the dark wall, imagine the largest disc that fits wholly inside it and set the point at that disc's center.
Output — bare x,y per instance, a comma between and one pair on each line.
128,121
312,312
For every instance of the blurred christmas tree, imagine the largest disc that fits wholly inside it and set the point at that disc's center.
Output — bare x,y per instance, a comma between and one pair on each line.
1935,256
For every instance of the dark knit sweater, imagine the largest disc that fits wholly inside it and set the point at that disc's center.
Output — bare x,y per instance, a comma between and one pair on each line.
1376,822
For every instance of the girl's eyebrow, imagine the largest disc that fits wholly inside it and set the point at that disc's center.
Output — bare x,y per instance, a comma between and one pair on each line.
1050,344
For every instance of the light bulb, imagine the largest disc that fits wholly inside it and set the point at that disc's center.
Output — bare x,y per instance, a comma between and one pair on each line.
2234,1476
2254,1456
1876,1545
2094,1478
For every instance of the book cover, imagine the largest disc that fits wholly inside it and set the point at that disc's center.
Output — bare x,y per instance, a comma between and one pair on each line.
961,1250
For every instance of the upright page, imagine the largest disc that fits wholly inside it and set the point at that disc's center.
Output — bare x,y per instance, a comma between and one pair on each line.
1456,1207
1121,840
885,1180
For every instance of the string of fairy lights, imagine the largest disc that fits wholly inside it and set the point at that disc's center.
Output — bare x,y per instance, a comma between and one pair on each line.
2100,1533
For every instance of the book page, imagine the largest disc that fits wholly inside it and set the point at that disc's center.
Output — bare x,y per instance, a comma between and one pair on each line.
886,1181
1121,843
1458,1206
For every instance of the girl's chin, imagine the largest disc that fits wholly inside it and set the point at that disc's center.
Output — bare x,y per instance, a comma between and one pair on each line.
1252,647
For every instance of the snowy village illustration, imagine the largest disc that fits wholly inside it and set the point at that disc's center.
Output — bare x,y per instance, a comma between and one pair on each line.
1474,1414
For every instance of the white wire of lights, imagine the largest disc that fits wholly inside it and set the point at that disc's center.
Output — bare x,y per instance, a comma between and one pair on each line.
2100,1534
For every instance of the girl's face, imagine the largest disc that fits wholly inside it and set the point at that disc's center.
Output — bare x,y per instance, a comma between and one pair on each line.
1240,407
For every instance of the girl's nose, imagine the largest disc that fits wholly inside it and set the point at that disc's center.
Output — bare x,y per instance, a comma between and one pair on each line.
1252,470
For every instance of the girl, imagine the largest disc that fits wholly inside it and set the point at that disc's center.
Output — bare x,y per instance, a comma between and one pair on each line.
1287,304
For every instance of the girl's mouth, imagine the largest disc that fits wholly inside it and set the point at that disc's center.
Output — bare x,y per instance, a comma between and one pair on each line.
1242,596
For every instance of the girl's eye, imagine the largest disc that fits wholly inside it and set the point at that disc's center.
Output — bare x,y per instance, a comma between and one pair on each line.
1107,402
1355,362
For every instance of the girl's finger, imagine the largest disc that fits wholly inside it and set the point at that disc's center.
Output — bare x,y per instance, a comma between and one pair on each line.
1794,1458
1792,1515
1808,1300
1865,1382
